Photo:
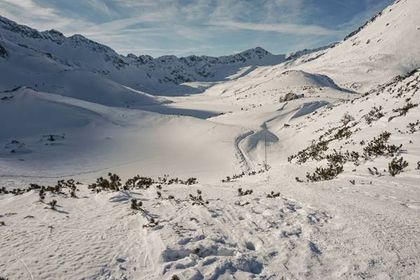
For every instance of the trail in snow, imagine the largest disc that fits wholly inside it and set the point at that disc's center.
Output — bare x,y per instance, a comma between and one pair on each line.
245,162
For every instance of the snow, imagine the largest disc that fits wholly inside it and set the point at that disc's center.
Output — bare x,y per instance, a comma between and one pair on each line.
50,51
269,221
97,138
383,49
310,107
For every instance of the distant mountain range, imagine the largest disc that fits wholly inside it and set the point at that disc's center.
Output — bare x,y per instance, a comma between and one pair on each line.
52,52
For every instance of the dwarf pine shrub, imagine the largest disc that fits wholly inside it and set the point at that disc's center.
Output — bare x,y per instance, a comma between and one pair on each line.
138,182
336,157
315,151
374,171
52,204
191,181
115,181
198,199
397,165
374,115
403,110
413,127
242,192
136,205
151,222
325,174
111,184
273,194
379,147
41,194
343,132
144,182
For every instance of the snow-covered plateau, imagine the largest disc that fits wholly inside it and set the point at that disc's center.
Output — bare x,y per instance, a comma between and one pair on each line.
249,166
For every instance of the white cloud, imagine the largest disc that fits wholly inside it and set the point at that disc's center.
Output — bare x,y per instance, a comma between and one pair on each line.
172,24
101,7
30,13
296,29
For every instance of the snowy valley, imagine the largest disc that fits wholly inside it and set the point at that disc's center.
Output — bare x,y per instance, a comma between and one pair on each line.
249,166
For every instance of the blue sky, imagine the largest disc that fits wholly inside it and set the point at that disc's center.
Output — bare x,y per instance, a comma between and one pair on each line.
183,27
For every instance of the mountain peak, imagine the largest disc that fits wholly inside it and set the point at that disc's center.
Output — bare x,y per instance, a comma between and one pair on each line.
80,40
257,51
260,50
54,32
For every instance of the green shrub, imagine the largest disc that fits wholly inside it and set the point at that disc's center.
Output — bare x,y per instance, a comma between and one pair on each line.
396,166
325,174
379,147
52,204
403,110
374,115
314,151
111,184
136,205
241,192
198,199
272,194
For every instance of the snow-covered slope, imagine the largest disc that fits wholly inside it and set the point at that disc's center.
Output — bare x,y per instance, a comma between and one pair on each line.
265,86
27,66
49,136
361,224
383,48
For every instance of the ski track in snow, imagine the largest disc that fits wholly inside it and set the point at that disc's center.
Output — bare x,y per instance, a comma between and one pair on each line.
244,160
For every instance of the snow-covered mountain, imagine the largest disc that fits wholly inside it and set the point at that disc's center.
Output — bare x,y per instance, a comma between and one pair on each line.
305,52
383,48
386,46
50,51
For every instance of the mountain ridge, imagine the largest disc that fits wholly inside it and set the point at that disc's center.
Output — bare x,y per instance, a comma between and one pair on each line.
381,49
162,75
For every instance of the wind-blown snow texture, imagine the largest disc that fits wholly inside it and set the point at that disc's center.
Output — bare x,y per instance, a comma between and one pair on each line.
325,146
